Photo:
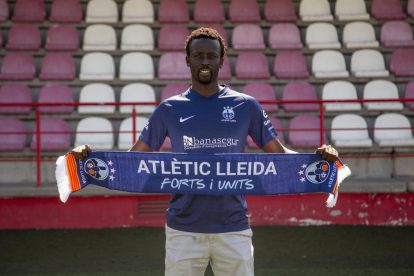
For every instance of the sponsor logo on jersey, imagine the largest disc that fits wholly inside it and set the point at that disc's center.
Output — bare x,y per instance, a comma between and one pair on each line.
228,114
200,143
318,172
96,168
185,119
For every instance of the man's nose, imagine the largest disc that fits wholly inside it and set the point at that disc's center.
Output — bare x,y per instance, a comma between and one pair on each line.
205,61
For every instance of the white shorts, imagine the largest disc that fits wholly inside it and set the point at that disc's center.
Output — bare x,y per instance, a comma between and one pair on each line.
188,253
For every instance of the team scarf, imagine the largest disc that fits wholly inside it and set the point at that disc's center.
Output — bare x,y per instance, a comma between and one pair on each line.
207,174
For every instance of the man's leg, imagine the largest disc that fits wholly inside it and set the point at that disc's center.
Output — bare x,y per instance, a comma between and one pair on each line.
187,253
232,253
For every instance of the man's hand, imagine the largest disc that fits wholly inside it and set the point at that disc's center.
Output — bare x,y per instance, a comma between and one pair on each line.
81,151
329,153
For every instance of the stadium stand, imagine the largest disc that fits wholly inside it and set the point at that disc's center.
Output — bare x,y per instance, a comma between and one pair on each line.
97,66
29,11
137,11
173,11
17,66
368,64
173,89
299,91
241,11
247,37
409,94
262,91
136,66
350,138
57,66
209,11
99,37
167,144
101,11
329,64
172,38
56,93
98,141
24,38
220,30
284,36
137,92
351,10
15,93
387,10
393,137
359,35
137,37
410,8
97,92
225,71
172,66
315,10
279,11
340,90
65,11
322,36
382,89
252,65
1,38
12,142
4,11
290,65
52,141
402,63
276,124
396,34
125,141
301,138
62,38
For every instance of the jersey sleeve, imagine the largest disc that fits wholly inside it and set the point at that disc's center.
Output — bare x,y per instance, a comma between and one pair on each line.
156,129
260,129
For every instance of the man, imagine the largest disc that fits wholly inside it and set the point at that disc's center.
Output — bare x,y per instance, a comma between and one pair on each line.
208,118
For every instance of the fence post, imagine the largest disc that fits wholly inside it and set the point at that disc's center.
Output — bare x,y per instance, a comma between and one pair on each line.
38,161
134,113
322,128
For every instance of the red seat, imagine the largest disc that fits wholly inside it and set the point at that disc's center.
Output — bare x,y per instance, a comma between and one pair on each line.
56,93
57,66
397,34
17,66
244,11
1,38
248,37
225,71
24,37
15,93
220,30
52,141
262,92
302,138
290,65
402,63
167,144
252,65
173,89
299,91
279,11
12,142
276,125
172,66
66,11
29,11
173,11
410,8
172,38
4,10
62,38
387,9
284,36
209,11
409,94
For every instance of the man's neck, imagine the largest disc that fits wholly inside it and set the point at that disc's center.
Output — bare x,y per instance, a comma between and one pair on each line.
206,90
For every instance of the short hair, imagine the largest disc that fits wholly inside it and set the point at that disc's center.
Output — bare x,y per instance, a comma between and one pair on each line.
205,33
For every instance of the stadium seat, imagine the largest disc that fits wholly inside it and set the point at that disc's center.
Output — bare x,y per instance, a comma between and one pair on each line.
409,94
315,10
209,11
65,11
167,144
98,141
94,93
359,35
172,38
351,10
350,138
173,11
97,66
387,10
284,36
393,137
247,37
12,142
322,36
137,11
368,64
301,138
62,38
381,89
329,64
52,141
1,38
29,11
225,71
101,11
173,89
299,91
56,93
136,66
172,66
220,30
4,11
125,138
396,34
340,90
262,91
244,11
276,125
137,92
137,37
410,8
99,37
279,11
402,63
24,37
252,65
57,66
17,66
290,65
15,93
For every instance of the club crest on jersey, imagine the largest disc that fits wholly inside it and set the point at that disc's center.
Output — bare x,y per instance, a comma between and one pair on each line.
96,168
228,114
318,172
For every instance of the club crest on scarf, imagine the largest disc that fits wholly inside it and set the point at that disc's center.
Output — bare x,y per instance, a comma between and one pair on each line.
96,168
318,172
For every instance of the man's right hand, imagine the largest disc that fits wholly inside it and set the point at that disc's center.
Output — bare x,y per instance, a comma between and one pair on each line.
81,151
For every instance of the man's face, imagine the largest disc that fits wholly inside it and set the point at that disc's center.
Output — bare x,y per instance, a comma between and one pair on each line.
204,60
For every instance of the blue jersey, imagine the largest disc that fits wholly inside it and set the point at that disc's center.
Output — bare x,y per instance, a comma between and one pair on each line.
217,124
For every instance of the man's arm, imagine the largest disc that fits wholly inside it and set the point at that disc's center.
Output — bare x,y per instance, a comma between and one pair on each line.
140,147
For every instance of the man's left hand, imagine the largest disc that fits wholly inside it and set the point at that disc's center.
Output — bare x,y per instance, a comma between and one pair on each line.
328,153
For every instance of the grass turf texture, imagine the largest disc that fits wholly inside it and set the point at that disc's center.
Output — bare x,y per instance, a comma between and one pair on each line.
279,250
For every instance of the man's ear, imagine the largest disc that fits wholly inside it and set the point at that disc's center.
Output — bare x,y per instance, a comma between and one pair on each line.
221,62
187,60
